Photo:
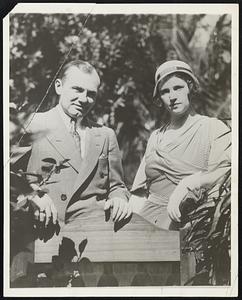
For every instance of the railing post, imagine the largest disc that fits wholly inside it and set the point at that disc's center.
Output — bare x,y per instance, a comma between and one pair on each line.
187,260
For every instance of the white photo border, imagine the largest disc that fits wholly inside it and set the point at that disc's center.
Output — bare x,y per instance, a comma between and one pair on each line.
233,10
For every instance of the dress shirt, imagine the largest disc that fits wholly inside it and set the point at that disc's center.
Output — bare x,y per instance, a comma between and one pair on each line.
79,128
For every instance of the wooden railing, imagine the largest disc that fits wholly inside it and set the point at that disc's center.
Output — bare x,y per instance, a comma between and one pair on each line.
108,254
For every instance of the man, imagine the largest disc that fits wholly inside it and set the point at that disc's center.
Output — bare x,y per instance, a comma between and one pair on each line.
90,179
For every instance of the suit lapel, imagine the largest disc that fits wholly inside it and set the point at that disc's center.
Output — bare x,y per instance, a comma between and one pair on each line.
93,147
62,141
64,144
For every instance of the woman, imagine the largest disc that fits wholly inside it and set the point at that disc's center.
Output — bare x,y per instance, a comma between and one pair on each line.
189,153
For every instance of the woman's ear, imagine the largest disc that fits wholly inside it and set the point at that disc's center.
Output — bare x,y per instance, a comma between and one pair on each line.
158,102
58,86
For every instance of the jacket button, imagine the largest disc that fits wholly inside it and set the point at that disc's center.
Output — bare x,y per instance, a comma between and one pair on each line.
63,197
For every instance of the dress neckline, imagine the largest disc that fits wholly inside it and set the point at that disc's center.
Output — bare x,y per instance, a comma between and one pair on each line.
182,130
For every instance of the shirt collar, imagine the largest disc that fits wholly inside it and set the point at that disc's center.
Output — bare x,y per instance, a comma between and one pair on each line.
67,119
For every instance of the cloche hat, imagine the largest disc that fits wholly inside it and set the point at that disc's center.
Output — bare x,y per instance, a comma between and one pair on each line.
169,67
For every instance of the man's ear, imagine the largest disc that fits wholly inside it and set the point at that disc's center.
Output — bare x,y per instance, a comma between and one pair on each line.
58,86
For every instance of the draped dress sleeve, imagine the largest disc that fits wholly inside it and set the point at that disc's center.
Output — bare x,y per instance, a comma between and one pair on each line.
219,162
220,152
140,189
140,184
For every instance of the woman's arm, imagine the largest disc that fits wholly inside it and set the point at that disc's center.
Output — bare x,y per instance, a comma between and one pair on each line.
139,184
218,166
139,189
220,154
140,179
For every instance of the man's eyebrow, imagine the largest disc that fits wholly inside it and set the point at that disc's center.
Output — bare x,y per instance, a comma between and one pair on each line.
178,85
77,87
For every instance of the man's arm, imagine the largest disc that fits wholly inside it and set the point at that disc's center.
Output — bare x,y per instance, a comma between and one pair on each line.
118,194
43,206
117,187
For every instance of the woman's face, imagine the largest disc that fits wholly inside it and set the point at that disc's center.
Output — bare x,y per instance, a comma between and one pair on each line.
174,94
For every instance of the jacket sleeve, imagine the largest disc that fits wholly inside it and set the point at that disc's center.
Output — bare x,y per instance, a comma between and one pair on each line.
20,154
117,187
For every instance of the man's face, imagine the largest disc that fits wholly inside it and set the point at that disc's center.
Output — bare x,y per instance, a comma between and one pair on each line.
77,91
174,94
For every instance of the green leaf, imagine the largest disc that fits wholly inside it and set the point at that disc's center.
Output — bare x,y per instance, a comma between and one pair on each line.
216,217
64,161
49,160
196,277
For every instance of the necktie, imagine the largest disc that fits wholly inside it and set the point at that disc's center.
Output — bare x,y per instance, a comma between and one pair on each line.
75,134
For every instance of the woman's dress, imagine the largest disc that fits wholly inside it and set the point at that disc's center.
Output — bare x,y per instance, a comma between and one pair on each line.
202,145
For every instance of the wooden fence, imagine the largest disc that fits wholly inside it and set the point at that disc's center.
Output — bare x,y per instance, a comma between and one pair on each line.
95,252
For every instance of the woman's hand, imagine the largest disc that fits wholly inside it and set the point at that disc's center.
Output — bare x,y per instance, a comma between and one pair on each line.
189,183
176,197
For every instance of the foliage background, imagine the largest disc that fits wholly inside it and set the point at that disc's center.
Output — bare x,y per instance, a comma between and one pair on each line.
126,50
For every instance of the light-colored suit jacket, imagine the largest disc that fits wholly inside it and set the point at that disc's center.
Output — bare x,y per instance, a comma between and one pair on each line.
83,182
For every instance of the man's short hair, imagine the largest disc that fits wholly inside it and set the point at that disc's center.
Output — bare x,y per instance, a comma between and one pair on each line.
80,64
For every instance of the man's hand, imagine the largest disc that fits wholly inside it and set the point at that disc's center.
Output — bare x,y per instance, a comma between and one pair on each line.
121,208
44,209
